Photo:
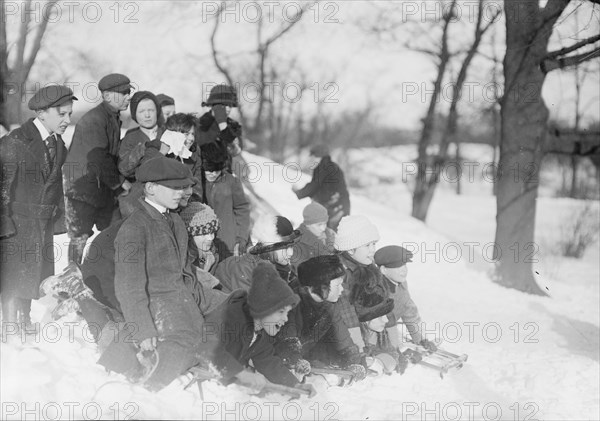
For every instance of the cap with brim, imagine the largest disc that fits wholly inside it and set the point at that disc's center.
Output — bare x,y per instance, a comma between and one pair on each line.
115,82
166,172
51,96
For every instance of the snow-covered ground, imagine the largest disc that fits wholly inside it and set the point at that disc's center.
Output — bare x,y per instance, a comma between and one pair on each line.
529,357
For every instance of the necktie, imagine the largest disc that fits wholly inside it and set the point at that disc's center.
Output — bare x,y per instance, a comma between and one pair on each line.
51,146
167,216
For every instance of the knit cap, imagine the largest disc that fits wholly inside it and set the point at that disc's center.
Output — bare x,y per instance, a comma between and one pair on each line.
314,213
355,231
268,292
199,219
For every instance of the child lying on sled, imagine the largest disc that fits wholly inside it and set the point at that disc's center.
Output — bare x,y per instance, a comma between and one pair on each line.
315,333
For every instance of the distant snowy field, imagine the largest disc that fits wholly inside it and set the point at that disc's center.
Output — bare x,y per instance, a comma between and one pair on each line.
529,357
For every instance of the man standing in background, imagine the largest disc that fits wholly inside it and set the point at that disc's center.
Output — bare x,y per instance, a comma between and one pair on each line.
92,179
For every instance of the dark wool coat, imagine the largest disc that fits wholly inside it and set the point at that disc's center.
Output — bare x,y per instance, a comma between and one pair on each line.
227,198
209,132
32,201
328,187
98,267
309,245
91,173
235,272
322,334
150,266
131,151
229,329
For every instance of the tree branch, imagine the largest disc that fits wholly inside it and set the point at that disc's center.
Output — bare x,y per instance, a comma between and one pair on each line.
547,65
37,41
576,46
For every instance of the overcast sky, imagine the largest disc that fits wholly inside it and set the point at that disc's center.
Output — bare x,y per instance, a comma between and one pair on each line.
164,47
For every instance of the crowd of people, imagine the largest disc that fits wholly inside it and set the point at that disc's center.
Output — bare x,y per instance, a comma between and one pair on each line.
174,268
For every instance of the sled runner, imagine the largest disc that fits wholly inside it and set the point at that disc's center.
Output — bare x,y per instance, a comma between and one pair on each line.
201,374
440,360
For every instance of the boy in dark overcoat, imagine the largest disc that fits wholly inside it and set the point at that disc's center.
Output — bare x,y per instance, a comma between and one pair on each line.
32,200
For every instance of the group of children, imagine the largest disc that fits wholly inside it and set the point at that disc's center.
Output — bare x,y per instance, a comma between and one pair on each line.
182,283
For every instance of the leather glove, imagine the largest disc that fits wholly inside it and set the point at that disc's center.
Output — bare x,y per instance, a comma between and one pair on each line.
402,363
302,367
412,356
220,113
428,345
359,372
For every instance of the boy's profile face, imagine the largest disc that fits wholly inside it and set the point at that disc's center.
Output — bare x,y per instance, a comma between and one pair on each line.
185,198
378,324
273,323
397,274
167,111
164,196
335,290
364,254
318,229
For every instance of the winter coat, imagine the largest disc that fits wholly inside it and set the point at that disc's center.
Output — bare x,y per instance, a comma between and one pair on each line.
227,198
230,330
328,187
309,245
32,204
209,132
359,276
235,272
90,171
322,334
150,266
405,309
132,151
98,267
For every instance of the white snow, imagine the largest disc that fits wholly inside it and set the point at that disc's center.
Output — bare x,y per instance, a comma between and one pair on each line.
529,357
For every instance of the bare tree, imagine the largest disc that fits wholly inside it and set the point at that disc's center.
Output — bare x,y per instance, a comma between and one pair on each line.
529,27
15,72
425,186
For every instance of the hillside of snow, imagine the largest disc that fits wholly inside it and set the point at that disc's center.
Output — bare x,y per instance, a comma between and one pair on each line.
529,357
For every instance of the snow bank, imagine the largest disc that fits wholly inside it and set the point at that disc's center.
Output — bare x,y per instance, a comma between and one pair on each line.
529,357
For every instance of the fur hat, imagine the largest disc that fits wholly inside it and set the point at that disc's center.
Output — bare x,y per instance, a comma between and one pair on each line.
278,233
199,219
268,292
355,231
318,271
314,213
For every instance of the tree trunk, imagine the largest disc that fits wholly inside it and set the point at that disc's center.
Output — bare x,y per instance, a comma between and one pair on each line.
523,129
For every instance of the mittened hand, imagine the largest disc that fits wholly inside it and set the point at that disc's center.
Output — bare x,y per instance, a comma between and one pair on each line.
428,345
359,372
220,113
302,367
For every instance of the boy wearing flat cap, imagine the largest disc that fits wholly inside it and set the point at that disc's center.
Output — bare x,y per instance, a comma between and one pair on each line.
150,267
32,199
392,264
92,179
